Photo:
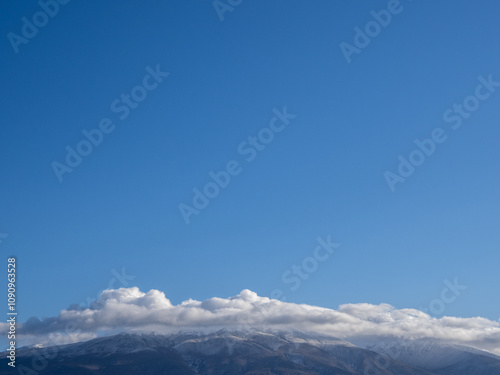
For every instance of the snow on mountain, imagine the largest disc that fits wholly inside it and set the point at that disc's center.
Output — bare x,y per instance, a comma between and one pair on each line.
260,352
431,355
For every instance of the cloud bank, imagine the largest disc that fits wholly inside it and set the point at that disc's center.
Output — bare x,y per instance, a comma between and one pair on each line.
129,309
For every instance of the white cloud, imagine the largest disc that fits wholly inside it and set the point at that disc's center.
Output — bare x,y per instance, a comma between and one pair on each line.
130,309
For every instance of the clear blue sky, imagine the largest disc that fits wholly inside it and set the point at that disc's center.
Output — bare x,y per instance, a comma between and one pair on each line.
323,175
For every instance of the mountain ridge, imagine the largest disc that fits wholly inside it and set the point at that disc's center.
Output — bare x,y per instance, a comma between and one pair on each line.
257,352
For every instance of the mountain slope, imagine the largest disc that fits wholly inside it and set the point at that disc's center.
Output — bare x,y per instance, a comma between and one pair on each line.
247,352
443,359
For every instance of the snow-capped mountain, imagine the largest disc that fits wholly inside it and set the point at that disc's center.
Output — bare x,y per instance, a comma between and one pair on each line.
252,352
438,357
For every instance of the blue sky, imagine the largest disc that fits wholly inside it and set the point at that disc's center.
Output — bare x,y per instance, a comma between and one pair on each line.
323,175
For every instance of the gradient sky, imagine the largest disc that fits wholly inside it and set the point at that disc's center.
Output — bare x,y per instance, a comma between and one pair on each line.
323,175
